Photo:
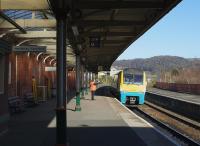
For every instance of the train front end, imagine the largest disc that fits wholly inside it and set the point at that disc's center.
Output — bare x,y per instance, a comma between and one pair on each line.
132,87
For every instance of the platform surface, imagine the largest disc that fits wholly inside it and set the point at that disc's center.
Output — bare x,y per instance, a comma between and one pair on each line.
101,122
105,122
180,96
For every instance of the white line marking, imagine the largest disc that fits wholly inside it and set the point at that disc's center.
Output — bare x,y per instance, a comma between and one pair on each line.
157,130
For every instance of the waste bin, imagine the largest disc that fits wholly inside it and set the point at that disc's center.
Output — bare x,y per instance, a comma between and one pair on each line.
42,93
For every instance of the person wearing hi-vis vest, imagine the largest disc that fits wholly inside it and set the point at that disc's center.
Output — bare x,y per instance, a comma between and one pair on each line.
93,88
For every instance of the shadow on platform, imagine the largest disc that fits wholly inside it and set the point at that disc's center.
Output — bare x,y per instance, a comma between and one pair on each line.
30,128
104,136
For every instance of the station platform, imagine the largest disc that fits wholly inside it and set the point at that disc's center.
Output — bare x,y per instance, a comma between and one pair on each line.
176,95
101,122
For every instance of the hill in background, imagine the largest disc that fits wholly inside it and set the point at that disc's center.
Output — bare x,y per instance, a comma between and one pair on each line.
159,64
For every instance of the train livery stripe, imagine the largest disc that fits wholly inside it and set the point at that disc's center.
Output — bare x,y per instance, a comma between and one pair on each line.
140,96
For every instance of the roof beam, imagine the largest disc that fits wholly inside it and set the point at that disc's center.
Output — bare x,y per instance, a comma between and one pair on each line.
35,23
109,34
12,22
52,34
109,23
24,5
49,23
43,5
37,35
114,41
101,53
119,4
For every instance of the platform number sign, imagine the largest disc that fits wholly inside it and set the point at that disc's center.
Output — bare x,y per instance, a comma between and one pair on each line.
95,41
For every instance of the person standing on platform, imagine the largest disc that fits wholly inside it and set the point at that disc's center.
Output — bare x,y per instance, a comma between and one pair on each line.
93,88
34,89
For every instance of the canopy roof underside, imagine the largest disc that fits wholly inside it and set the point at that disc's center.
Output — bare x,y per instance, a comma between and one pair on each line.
115,24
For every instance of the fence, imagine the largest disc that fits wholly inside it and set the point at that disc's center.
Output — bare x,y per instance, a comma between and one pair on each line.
184,88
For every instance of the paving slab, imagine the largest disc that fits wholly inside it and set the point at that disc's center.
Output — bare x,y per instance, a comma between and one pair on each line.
106,122
101,122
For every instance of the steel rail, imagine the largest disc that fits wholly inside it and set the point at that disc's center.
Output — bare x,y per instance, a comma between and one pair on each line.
189,123
175,133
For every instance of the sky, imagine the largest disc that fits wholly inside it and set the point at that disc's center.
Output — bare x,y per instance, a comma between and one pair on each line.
176,34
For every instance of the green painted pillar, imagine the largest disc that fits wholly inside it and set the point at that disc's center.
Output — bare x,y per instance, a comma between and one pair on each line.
78,75
82,82
86,82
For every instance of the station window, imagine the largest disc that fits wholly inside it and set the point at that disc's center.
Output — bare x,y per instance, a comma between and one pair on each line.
2,65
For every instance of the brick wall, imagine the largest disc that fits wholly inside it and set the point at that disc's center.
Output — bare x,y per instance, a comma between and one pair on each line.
23,67
27,67
4,115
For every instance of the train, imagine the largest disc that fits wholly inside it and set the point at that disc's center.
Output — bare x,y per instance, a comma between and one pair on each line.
131,84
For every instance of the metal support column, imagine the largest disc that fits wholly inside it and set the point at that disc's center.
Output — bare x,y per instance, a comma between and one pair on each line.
82,82
78,75
86,82
61,82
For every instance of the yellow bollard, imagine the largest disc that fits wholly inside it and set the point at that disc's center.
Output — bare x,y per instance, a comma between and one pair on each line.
34,89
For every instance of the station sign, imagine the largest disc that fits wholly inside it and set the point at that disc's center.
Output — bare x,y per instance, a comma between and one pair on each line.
95,41
29,48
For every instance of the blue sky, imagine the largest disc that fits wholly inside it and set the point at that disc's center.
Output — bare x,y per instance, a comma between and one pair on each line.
177,34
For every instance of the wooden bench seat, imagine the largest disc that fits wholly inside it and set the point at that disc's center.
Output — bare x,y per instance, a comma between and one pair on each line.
16,104
29,100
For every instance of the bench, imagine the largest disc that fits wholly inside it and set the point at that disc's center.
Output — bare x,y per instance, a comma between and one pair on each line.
16,104
29,100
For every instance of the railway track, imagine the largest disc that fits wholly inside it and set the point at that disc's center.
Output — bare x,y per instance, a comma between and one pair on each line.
182,137
173,115
186,108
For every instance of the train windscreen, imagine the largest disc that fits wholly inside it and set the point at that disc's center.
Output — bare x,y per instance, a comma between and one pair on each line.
133,79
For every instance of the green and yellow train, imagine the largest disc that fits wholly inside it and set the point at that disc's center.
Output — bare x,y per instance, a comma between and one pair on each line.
132,84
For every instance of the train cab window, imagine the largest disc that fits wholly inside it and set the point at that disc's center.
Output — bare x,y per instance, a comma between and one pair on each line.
128,78
133,79
2,66
138,79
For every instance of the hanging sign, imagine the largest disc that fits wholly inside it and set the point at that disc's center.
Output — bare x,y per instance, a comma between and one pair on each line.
95,41
29,49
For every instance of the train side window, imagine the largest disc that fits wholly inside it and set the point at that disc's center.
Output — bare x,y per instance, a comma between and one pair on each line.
2,69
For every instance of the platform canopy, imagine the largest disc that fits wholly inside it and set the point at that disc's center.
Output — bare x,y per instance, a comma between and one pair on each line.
99,30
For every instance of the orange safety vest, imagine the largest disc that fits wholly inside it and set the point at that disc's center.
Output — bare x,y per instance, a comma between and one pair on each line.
92,86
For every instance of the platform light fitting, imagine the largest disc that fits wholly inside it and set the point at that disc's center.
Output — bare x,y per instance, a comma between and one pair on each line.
75,30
